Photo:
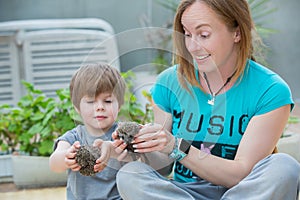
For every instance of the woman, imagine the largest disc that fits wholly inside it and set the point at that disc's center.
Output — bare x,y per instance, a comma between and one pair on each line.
218,115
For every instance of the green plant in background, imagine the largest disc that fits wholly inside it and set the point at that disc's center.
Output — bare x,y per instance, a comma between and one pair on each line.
132,110
291,120
32,126
9,128
259,10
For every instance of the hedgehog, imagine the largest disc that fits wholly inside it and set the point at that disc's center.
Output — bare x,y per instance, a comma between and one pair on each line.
126,132
86,157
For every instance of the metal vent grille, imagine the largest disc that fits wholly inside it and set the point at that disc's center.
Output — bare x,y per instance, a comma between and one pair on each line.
9,72
46,53
52,56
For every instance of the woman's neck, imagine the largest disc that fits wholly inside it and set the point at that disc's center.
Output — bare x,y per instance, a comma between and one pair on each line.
217,82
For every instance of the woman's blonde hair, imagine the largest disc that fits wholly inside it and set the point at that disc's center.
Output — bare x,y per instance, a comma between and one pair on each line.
235,14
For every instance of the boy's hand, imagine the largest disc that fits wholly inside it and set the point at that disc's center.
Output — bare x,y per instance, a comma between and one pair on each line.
70,161
109,150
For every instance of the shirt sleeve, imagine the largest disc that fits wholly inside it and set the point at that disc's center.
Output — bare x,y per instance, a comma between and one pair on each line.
69,136
277,93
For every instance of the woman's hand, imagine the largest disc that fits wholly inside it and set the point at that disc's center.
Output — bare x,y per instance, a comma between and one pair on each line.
70,161
154,137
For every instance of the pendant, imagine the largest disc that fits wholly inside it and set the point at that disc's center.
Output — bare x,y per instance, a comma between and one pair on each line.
211,101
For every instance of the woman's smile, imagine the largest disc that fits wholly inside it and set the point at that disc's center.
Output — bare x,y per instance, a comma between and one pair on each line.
203,57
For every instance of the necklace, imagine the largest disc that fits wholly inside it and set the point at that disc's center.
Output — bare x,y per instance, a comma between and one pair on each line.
213,95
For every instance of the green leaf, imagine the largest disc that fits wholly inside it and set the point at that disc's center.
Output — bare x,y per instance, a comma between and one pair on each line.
293,120
45,132
37,116
46,148
37,128
48,116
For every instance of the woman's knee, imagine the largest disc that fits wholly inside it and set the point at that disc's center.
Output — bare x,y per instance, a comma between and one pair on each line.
285,161
133,177
285,165
132,171
135,167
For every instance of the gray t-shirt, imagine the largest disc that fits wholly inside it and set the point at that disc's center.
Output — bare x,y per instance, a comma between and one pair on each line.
101,186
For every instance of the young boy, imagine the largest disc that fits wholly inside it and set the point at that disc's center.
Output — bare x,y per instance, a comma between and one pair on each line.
97,93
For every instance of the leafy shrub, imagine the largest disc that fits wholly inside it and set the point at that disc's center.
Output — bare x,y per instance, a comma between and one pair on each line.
35,122
132,110
32,126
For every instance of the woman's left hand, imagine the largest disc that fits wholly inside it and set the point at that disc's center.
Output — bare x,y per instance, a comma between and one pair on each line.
153,137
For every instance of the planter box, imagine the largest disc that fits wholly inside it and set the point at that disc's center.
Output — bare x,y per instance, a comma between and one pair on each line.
290,144
34,171
6,172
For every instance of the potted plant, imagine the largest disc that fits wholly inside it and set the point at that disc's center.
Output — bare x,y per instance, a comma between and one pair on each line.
28,131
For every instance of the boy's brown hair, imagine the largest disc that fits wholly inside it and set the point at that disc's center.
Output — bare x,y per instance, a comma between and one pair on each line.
93,79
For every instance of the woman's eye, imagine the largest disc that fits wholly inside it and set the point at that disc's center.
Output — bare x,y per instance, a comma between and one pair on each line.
204,35
187,35
108,101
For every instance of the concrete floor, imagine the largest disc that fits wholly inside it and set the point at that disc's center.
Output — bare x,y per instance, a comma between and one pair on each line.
35,194
38,194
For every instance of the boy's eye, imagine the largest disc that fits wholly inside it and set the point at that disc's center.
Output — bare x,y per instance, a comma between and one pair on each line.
108,101
89,100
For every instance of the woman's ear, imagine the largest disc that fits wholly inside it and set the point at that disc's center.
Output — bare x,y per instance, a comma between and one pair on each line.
237,35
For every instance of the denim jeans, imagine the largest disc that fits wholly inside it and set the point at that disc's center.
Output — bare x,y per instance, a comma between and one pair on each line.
276,177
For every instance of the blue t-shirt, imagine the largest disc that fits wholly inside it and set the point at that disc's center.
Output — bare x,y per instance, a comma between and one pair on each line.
102,185
218,129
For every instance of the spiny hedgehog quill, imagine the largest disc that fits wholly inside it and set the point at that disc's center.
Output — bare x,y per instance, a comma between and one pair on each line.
86,157
126,132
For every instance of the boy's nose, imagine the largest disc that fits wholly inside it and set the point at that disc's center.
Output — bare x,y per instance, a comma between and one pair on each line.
99,106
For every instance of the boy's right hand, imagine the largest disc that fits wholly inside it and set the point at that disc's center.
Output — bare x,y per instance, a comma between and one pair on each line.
70,161
109,149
